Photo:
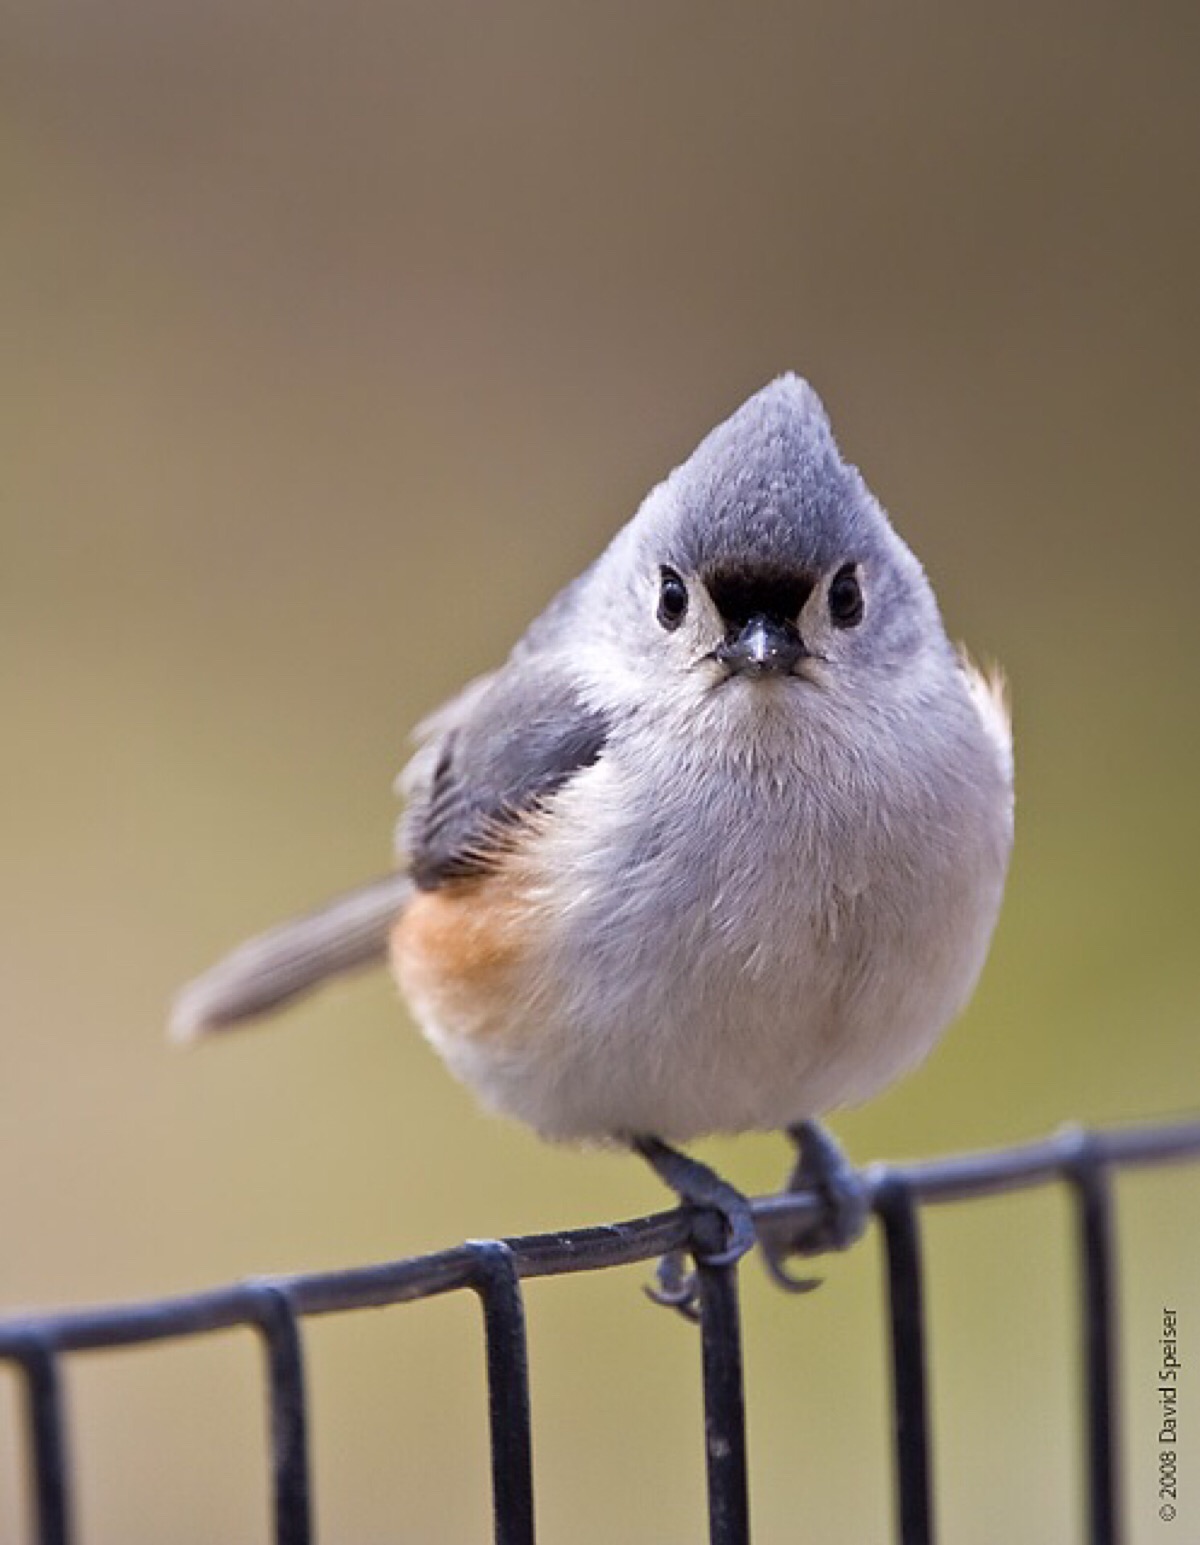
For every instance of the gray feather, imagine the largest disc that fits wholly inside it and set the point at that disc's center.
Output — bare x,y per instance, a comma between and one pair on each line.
525,736
270,970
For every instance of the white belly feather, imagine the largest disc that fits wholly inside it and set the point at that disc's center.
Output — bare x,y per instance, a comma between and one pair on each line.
714,947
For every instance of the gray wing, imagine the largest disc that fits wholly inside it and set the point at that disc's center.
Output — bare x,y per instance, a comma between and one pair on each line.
503,748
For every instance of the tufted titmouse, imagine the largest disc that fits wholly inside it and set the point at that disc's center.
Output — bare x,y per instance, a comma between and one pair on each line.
719,848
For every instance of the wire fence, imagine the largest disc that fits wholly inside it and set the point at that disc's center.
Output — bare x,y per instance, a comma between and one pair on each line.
494,1269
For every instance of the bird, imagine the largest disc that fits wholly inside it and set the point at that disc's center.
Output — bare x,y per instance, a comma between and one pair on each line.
719,848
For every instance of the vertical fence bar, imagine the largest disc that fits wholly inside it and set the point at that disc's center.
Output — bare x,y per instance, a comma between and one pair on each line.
910,1400
290,1489
724,1405
1090,1183
496,1281
45,1427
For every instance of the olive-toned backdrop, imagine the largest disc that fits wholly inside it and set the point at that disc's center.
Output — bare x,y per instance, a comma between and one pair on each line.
336,339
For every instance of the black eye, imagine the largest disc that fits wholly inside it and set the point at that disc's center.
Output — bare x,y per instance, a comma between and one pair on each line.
672,599
846,598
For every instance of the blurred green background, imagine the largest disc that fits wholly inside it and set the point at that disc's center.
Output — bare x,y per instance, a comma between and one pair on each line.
336,339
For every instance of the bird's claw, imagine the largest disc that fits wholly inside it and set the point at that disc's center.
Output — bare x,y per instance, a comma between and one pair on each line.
821,1166
774,1257
677,1287
697,1185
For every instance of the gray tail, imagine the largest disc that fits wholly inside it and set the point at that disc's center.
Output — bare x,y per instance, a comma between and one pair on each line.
270,970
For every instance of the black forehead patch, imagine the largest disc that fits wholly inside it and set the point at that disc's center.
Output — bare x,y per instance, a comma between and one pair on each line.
743,591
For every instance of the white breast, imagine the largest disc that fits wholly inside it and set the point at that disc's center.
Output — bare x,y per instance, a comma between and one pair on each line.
735,941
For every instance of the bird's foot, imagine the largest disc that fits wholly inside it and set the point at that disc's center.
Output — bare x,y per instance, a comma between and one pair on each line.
820,1166
675,1286
698,1186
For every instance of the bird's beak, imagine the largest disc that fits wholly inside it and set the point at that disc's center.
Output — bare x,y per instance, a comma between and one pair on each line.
763,646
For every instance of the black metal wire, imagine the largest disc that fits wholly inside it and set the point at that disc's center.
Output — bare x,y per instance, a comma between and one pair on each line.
46,1438
897,1212
288,1415
37,1343
499,1288
724,1405
1090,1182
